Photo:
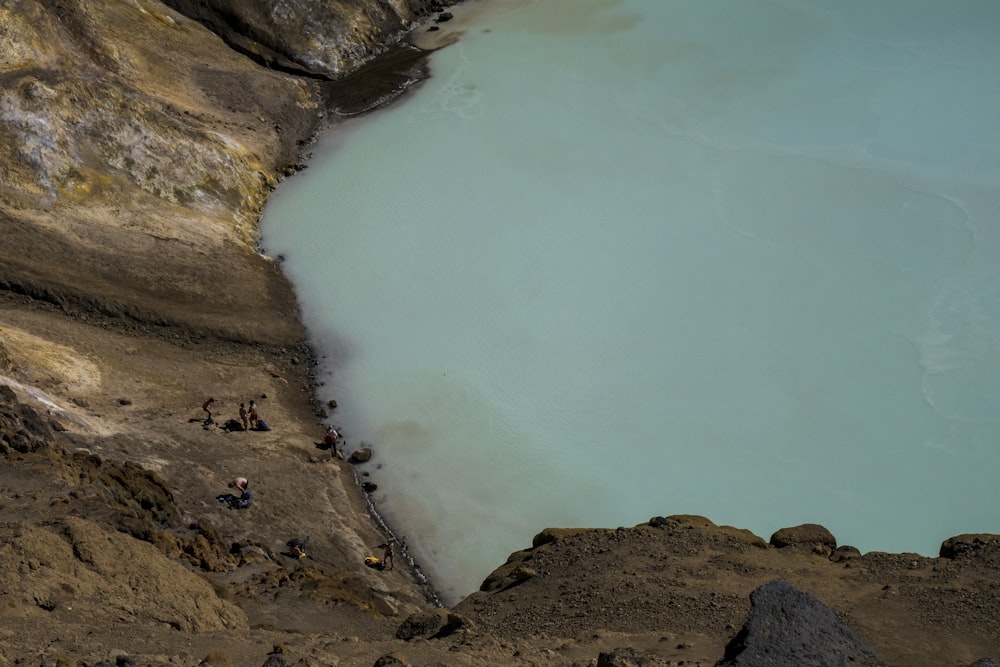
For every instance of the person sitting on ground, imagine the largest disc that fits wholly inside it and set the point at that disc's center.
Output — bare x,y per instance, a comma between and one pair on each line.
240,484
296,548
388,554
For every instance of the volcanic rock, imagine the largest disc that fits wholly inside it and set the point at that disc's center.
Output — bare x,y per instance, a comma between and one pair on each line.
789,627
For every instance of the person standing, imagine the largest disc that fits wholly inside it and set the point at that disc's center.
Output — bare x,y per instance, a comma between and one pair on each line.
254,416
244,417
207,408
330,438
388,554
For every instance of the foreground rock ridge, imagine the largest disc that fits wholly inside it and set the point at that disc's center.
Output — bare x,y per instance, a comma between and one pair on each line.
141,142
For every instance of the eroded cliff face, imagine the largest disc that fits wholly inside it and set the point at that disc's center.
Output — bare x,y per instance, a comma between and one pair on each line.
327,38
139,152
140,148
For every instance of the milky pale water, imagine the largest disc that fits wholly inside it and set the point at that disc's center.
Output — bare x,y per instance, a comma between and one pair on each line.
625,259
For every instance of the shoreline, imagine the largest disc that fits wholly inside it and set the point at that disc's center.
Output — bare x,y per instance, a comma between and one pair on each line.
408,61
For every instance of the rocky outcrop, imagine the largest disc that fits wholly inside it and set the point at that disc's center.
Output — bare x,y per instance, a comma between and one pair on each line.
328,38
22,429
46,570
789,627
432,624
972,546
682,576
810,536
138,157
117,495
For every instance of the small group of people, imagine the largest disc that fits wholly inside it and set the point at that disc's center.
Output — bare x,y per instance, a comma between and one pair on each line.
249,417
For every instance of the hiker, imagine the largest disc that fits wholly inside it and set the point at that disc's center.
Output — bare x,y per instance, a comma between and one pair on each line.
244,417
330,438
254,416
207,407
388,554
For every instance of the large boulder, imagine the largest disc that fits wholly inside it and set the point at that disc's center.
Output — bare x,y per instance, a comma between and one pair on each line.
363,455
980,546
787,626
810,536
72,572
431,624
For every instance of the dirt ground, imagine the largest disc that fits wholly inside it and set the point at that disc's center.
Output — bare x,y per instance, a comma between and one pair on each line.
675,593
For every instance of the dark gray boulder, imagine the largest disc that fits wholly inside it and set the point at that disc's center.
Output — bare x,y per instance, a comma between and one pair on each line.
787,626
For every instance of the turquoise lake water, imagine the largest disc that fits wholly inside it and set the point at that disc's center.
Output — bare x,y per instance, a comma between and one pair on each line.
620,259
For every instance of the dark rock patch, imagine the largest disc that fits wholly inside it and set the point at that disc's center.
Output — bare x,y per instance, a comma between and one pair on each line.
789,627
21,428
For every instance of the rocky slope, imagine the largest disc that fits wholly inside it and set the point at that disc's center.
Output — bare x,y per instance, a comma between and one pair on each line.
141,141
